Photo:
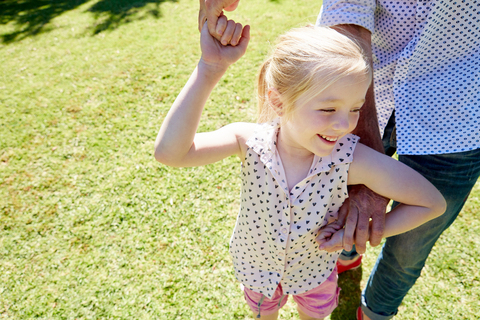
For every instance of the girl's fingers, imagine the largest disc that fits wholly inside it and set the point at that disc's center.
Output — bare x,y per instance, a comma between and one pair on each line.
245,38
330,246
323,237
237,34
329,228
228,33
221,25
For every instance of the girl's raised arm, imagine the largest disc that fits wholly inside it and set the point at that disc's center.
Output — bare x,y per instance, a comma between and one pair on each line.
177,143
419,200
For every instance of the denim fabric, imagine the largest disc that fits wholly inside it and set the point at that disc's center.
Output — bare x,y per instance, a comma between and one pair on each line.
403,256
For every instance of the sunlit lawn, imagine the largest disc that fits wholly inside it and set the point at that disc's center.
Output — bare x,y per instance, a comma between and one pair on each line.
91,227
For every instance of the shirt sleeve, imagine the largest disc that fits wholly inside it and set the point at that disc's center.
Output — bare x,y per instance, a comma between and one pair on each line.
358,12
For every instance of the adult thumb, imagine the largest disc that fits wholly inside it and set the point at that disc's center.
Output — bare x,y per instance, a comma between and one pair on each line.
214,9
232,6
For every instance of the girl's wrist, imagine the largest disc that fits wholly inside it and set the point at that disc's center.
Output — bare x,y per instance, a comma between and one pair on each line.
212,69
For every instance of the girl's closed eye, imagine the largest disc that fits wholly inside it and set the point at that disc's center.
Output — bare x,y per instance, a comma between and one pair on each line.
355,110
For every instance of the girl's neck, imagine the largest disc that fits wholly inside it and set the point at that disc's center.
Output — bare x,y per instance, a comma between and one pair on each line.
296,163
288,151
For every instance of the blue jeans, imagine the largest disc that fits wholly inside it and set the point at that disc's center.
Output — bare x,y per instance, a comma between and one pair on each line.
403,256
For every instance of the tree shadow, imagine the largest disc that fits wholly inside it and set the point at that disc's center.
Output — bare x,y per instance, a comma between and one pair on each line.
349,300
112,13
32,17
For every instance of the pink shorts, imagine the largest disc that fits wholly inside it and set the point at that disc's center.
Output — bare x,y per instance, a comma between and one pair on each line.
317,303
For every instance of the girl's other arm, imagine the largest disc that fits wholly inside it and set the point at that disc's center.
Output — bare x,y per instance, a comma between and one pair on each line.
419,200
177,143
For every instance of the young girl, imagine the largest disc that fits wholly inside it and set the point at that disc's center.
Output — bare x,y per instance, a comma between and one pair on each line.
296,163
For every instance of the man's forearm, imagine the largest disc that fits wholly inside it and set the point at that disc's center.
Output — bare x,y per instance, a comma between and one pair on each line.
367,128
368,204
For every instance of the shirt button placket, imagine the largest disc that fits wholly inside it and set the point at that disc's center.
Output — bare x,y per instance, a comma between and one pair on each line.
283,234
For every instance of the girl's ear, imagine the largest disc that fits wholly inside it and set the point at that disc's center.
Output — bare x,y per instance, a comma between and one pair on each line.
275,101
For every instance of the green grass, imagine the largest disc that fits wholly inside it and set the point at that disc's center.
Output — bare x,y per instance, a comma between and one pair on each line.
91,227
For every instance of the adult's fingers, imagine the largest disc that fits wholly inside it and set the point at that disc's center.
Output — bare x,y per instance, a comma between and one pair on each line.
214,9
202,15
361,234
378,220
350,224
378,229
343,212
232,6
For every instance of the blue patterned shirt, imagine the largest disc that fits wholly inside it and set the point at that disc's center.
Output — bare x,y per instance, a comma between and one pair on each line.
427,67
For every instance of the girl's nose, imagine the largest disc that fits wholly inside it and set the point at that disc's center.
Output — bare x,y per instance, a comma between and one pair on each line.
341,123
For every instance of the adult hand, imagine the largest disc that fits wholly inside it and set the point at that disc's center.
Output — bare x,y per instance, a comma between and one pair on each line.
210,11
361,205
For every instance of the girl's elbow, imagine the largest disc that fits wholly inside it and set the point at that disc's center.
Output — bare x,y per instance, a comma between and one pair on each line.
440,206
165,157
160,157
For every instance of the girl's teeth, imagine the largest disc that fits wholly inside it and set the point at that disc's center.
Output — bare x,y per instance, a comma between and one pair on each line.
329,139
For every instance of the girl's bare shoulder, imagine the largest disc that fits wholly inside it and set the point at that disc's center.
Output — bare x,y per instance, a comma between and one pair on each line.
243,131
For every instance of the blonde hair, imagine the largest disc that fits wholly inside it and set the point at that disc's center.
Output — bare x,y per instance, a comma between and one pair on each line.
306,61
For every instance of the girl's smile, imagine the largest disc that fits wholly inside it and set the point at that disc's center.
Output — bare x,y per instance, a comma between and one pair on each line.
329,139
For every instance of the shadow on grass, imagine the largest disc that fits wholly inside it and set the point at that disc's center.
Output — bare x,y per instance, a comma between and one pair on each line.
349,296
31,17
112,13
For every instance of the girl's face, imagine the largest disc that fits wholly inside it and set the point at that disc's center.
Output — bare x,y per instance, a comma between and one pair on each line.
315,125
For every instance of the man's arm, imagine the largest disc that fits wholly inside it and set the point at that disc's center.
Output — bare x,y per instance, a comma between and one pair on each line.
367,127
363,203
